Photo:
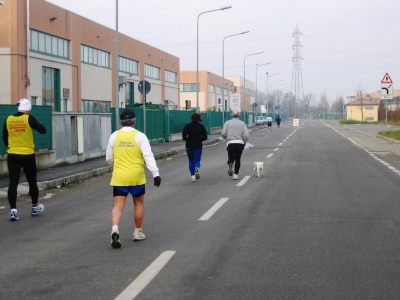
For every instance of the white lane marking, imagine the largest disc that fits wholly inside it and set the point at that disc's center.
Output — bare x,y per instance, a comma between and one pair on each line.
280,144
243,181
213,209
276,149
269,155
366,150
147,275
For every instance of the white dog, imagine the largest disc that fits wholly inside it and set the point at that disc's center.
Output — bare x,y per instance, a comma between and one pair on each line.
258,168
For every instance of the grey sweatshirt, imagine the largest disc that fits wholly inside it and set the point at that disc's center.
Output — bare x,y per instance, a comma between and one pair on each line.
235,130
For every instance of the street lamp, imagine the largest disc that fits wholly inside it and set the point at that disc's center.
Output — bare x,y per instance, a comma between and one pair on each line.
244,74
197,55
258,65
116,69
283,84
273,89
268,76
223,72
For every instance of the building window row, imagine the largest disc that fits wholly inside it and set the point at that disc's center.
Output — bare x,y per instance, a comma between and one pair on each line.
95,106
188,87
128,65
211,88
49,44
95,56
171,77
218,90
151,72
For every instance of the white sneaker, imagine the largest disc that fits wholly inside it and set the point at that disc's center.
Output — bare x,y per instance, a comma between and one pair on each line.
235,177
115,242
36,210
138,236
193,178
197,173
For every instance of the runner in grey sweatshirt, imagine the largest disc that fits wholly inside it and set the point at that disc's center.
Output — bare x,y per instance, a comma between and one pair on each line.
236,134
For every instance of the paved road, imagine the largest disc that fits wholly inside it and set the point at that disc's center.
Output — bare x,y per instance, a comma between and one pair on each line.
321,223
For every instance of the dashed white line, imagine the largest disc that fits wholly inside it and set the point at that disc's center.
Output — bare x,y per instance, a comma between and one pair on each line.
269,155
243,181
276,149
213,209
280,144
147,275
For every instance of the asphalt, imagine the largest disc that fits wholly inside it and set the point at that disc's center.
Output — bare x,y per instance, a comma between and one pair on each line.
61,175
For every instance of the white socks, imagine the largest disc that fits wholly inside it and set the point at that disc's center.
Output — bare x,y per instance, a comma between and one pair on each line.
114,229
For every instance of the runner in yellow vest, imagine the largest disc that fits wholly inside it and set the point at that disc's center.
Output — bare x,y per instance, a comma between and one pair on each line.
127,150
18,137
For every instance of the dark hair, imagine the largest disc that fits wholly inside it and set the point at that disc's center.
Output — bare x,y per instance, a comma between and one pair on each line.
196,117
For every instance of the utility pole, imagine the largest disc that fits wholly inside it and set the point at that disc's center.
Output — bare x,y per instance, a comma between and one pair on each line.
297,77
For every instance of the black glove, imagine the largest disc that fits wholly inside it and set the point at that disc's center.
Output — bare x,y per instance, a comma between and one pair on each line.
157,181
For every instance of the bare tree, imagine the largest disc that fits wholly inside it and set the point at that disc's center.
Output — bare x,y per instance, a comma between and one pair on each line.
323,103
308,101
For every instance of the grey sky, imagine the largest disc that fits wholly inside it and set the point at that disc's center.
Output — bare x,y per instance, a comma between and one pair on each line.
346,44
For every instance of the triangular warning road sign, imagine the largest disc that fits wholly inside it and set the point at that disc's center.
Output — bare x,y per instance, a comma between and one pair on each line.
386,79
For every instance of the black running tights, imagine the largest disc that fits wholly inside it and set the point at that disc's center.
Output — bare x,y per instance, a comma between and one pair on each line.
234,155
28,162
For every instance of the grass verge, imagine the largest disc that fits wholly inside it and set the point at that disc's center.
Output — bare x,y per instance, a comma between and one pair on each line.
391,134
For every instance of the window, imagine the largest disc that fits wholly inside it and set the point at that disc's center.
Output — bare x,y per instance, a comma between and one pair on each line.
211,88
171,76
128,65
218,90
95,106
369,108
188,87
51,87
225,92
151,72
369,118
34,100
95,56
49,44
129,93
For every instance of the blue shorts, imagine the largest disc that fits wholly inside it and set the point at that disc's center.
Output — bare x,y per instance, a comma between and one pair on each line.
136,191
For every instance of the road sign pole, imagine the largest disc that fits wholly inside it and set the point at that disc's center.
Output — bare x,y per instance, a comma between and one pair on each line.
386,113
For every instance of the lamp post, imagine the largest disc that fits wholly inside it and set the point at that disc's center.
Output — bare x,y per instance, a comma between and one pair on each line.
273,89
197,55
283,84
268,76
285,100
116,68
244,74
257,66
223,72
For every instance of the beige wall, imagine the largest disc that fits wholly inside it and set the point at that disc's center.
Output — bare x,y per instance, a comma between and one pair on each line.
91,76
354,112
5,82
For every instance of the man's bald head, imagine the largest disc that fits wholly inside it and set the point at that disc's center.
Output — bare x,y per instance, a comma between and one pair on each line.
235,114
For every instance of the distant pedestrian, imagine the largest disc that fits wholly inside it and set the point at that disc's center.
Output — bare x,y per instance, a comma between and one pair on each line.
236,134
18,137
278,121
269,123
127,151
194,134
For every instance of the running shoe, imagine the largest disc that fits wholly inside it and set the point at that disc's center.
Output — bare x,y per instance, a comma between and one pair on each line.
115,243
36,210
197,170
230,171
235,177
14,216
193,178
138,236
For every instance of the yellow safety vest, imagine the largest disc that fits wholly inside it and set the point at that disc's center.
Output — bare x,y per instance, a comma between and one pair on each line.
20,135
128,160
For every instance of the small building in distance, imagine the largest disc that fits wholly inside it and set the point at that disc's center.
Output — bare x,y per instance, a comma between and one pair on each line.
362,110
